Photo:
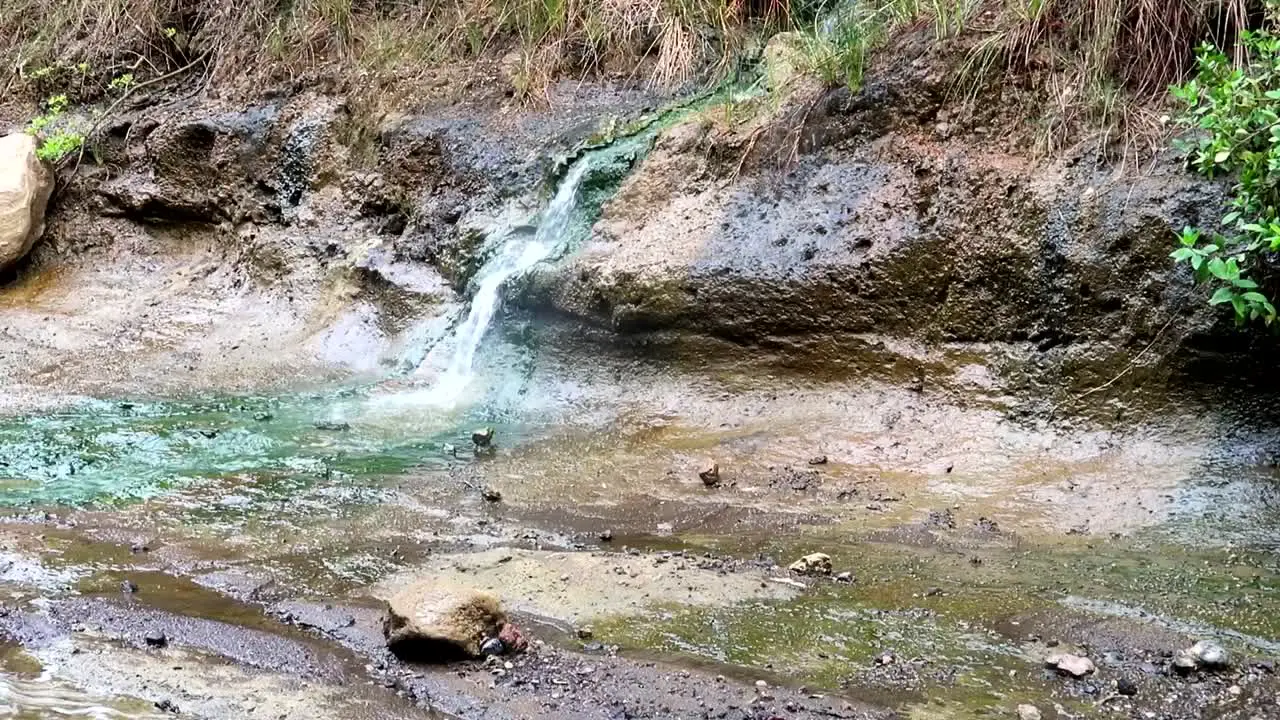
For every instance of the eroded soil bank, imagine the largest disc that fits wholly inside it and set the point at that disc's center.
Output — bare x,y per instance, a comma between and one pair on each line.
219,423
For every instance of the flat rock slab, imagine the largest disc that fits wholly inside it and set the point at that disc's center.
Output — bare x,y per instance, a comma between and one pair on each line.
578,586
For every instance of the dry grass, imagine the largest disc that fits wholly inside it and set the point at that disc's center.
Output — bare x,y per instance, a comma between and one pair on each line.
670,42
1103,65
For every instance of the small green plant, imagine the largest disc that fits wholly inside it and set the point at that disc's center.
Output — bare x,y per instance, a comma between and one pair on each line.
63,141
1232,113
123,83
59,145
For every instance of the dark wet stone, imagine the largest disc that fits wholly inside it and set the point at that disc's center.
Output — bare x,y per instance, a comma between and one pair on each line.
710,475
263,416
492,646
336,426
1126,687
208,433
606,536
482,437
167,706
129,586
818,460
491,495
155,639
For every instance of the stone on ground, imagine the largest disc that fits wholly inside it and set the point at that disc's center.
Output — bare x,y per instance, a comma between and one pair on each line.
812,564
710,474
1073,665
431,623
1210,655
25,186
1028,712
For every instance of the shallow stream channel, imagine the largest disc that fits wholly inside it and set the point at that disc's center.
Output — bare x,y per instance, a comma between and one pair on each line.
228,556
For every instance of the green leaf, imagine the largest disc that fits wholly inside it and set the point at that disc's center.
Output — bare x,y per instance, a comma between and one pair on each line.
1255,297
1222,295
1218,269
1244,283
1222,156
1182,254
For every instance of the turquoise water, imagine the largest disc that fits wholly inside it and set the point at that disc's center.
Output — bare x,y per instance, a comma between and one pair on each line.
104,453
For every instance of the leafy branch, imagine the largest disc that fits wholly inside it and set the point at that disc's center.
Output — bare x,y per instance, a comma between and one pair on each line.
1232,113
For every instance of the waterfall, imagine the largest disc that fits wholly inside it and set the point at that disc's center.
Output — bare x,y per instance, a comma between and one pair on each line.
517,255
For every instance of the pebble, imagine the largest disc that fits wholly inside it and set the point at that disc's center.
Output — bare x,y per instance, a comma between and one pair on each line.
710,474
813,563
492,646
1210,655
1073,665
844,577
263,416
1126,687
1028,712
606,536
155,639
818,460
129,586
491,495
482,437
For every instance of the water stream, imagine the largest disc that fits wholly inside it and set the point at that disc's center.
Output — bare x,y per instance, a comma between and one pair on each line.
515,256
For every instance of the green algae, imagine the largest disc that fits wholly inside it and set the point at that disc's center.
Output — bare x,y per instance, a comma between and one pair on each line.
259,451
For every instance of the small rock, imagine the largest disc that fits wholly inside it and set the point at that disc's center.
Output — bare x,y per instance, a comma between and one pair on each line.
845,577
1073,665
430,623
1028,712
886,659
332,425
1126,687
585,633
129,586
1184,663
155,639
139,547
450,450
491,494
606,536
818,460
1210,655
263,416
812,564
710,475
492,646
482,437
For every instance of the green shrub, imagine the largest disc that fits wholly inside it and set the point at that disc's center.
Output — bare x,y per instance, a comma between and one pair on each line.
63,141
59,145
1233,115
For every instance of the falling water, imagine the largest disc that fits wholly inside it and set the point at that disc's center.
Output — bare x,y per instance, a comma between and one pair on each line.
515,257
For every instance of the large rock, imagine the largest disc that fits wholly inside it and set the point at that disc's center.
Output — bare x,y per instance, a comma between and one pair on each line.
433,624
25,185
881,237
